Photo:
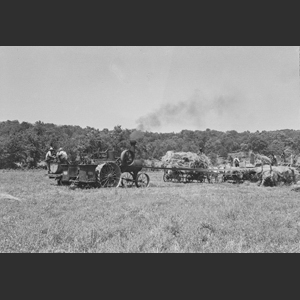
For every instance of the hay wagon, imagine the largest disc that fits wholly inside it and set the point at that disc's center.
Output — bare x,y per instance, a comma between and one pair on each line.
107,171
190,174
187,167
181,175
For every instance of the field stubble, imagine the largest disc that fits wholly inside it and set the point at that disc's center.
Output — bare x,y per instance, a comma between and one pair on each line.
165,217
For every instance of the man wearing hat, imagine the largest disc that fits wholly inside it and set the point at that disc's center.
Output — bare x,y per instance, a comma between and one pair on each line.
49,157
62,156
236,162
200,152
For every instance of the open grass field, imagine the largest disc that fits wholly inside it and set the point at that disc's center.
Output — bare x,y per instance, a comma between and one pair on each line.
165,217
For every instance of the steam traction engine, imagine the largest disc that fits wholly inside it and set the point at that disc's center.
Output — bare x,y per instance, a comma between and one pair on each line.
130,169
107,171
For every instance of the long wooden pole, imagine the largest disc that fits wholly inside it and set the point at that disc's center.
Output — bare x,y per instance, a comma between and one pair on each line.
195,169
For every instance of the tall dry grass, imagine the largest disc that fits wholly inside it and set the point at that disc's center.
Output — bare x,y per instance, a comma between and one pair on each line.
165,217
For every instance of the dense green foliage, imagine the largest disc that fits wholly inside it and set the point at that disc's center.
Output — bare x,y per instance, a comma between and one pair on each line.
28,143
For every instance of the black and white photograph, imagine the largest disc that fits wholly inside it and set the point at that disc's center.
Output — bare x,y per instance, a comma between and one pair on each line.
150,149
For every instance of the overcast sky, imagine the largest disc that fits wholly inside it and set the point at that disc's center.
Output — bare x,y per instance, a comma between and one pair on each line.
159,89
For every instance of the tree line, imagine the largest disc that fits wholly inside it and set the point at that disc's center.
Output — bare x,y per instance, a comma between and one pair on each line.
25,143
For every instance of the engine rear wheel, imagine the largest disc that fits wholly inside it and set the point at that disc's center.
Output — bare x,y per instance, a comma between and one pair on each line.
108,175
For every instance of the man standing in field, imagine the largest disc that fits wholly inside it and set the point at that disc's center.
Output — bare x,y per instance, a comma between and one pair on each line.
62,156
49,157
293,159
252,158
236,162
274,159
283,156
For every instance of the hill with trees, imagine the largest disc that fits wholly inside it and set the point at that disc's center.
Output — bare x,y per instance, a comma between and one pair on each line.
25,143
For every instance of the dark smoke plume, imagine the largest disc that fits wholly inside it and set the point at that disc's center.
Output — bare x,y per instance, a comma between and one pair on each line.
193,112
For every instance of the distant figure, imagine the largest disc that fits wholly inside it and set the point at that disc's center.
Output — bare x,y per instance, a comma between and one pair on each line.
230,160
293,159
273,159
236,162
49,158
62,156
200,151
283,156
252,158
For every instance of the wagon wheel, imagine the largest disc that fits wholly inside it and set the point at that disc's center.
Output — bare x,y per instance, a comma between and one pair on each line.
177,177
200,178
127,157
87,186
166,177
189,178
72,186
208,177
74,183
127,180
59,181
142,180
108,175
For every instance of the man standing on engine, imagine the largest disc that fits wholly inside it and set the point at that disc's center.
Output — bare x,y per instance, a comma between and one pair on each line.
49,158
62,156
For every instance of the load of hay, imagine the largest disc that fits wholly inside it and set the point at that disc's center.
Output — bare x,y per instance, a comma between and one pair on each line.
185,160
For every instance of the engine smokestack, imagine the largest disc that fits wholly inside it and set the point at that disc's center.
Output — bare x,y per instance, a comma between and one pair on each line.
133,143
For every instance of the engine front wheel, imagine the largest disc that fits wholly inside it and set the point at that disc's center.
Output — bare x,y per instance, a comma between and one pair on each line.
142,180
